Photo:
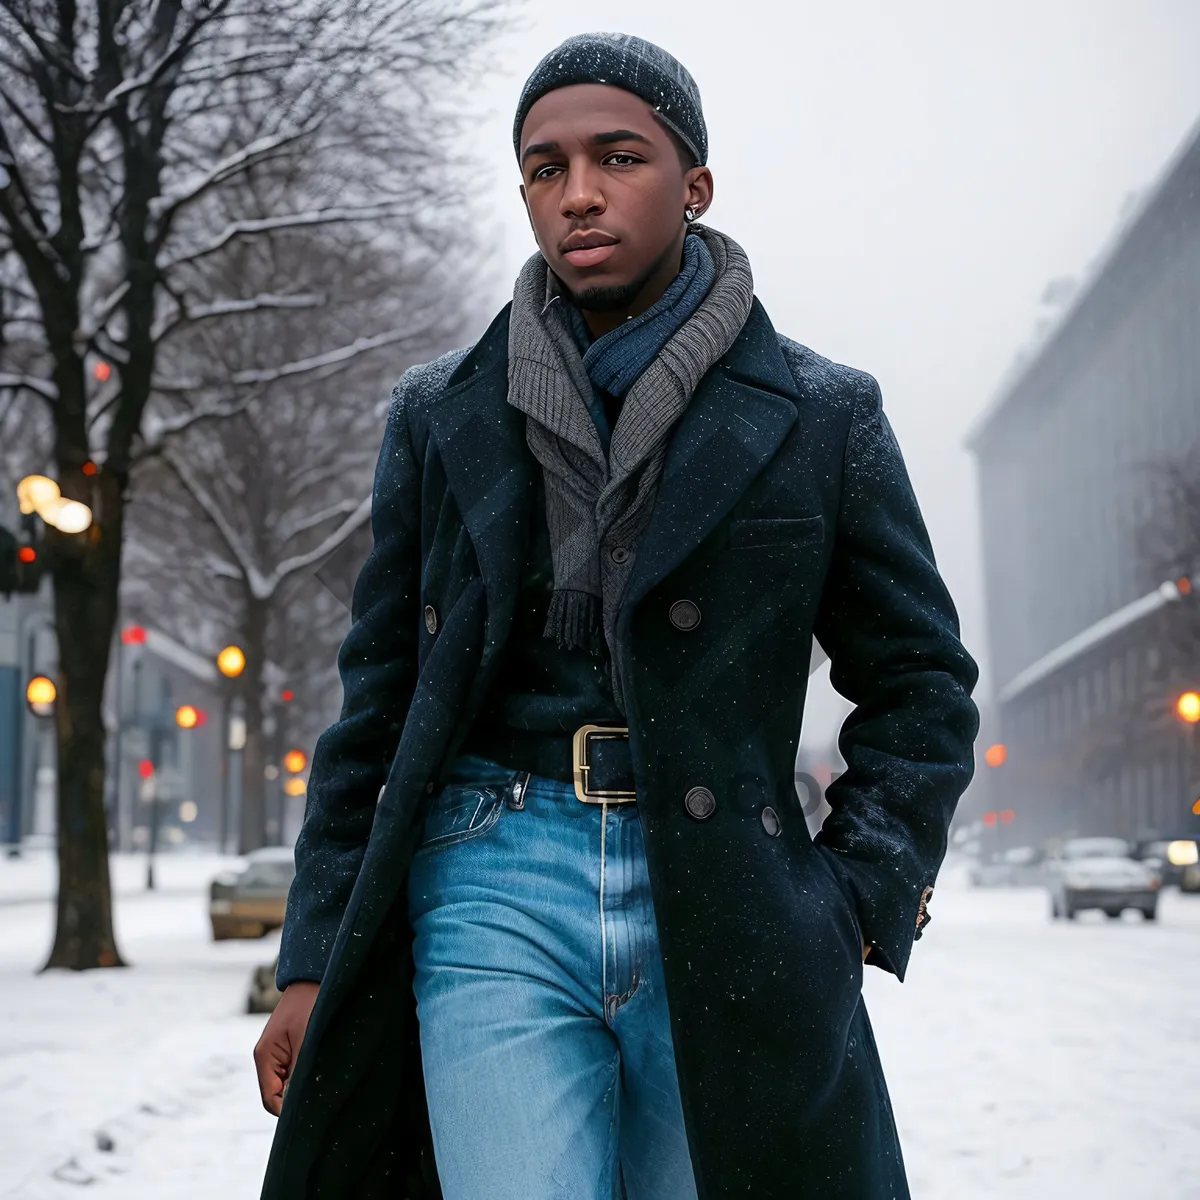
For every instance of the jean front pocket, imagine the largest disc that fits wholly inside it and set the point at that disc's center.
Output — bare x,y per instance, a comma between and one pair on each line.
460,812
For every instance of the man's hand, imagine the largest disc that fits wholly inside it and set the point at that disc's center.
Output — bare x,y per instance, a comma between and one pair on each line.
275,1053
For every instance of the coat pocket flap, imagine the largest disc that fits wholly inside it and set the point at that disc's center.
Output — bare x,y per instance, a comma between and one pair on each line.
776,531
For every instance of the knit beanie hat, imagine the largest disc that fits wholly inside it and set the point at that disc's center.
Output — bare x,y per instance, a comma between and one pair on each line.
626,62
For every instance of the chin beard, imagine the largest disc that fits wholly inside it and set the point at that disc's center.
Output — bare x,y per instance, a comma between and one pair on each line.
611,299
607,299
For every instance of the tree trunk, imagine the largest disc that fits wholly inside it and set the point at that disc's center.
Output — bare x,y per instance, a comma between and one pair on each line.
86,569
253,824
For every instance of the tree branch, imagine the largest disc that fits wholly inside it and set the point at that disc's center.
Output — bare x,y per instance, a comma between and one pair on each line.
211,508
166,208
41,387
318,216
289,529
300,562
225,308
159,430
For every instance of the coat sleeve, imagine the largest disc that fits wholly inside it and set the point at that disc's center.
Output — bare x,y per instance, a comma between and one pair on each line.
378,667
891,631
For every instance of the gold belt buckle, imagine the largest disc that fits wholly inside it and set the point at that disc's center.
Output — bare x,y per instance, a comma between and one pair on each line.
582,766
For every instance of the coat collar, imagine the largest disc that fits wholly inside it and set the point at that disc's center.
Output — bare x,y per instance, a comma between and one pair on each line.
737,419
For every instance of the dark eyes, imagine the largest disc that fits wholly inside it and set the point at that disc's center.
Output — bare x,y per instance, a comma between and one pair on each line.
618,158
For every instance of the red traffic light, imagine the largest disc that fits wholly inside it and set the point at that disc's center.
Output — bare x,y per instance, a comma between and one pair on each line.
287,695
989,819
27,554
145,768
1006,815
133,635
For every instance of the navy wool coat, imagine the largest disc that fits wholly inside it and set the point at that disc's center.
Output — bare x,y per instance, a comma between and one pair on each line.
784,511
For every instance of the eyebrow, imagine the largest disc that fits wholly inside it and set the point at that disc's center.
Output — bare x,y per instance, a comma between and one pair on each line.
597,139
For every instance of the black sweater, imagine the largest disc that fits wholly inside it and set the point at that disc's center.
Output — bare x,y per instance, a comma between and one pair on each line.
541,694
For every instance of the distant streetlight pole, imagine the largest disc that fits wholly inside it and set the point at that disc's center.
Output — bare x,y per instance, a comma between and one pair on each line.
1187,708
231,662
131,635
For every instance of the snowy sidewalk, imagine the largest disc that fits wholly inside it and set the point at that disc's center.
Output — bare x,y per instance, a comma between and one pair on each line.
1027,1060
33,878
131,1084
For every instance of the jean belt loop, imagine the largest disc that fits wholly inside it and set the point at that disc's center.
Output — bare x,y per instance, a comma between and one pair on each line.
516,790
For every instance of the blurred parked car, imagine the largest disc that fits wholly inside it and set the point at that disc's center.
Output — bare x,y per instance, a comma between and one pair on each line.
1101,873
250,903
1177,861
263,995
1018,866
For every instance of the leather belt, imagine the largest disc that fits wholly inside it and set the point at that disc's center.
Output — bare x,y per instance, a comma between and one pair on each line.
603,765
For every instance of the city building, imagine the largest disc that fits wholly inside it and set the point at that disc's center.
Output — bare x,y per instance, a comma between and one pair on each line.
1084,638
165,709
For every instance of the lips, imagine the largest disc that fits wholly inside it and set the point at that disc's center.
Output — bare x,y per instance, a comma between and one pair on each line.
587,248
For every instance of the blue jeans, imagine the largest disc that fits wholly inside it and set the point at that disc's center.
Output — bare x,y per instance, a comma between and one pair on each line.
545,1038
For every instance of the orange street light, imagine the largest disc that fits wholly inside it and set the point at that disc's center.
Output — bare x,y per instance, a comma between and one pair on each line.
188,716
1188,707
295,786
295,761
40,694
231,662
997,755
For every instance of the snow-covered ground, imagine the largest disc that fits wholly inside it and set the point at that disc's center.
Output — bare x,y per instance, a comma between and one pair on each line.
1026,1060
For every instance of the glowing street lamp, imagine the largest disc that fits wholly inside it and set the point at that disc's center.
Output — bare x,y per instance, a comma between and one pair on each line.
188,716
40,694
36,492
295,761
997,755
68,516
231,662
1188,707
40,494
295,786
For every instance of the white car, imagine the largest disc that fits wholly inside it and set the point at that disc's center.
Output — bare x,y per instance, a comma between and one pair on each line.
1099,873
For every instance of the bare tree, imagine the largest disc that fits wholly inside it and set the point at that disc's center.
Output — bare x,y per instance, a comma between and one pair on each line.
129,136
234,516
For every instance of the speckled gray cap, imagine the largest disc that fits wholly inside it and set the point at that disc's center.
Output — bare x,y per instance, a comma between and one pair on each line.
626,62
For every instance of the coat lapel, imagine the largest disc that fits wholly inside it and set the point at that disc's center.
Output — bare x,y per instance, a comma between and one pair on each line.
489,469
739,416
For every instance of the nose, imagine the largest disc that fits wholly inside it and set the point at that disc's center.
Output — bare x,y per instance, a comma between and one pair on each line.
581,194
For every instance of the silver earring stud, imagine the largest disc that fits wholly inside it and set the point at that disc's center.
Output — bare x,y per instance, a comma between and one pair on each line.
690,214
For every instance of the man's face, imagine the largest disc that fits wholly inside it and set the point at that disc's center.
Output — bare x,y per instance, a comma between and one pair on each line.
606,190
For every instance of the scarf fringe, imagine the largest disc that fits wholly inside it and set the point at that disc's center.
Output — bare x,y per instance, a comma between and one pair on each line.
574,619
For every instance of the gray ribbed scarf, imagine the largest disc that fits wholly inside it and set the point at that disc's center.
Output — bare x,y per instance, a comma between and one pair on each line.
594,505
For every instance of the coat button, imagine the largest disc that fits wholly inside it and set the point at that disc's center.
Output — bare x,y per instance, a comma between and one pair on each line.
431,618
684,614
770,820
619,553
700,803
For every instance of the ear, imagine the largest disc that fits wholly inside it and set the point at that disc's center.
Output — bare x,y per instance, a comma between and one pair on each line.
698,189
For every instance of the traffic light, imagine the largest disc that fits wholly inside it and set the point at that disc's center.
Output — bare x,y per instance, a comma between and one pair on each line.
20,564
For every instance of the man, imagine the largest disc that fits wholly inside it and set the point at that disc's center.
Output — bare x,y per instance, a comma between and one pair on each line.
558,927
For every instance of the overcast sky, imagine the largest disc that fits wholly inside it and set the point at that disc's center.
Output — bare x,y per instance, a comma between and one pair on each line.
906,177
